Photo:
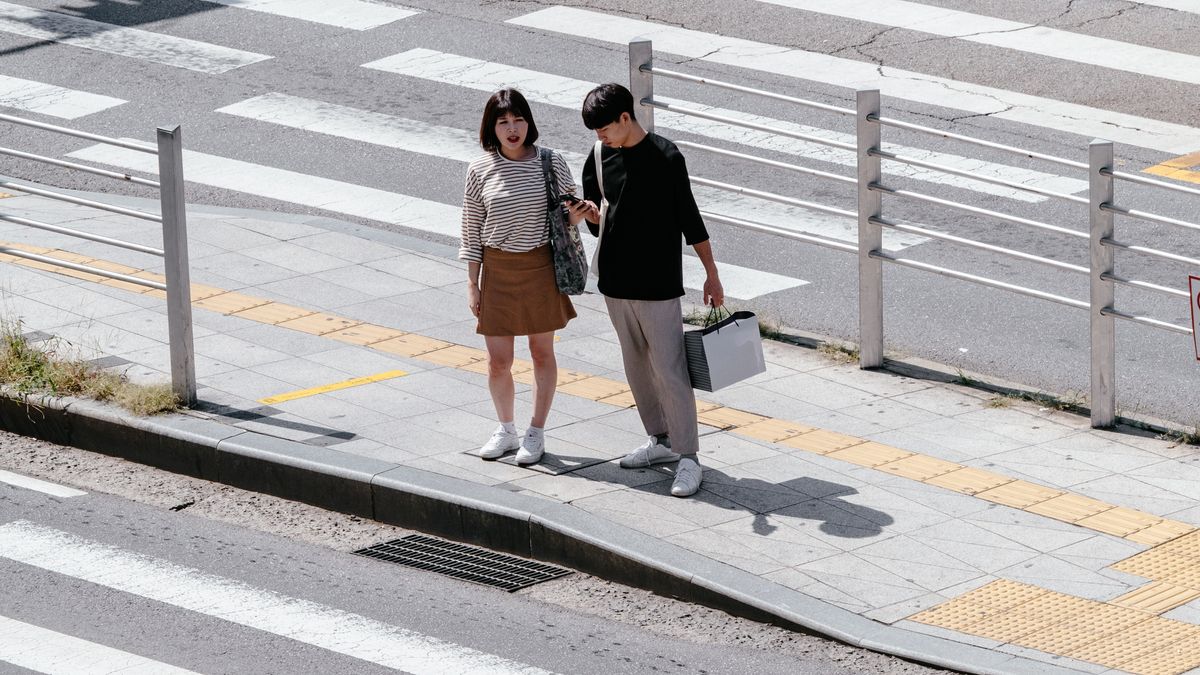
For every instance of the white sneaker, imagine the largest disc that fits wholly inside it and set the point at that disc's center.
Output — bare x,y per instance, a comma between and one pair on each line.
500,443
532,447
651,452
688,476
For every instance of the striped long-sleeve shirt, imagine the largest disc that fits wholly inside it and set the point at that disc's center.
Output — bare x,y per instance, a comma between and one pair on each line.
504,204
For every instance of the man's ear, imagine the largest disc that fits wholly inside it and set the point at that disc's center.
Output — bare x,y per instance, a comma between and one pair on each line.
624,118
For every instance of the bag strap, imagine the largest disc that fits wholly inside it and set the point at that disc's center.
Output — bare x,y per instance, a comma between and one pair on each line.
599,167
545,155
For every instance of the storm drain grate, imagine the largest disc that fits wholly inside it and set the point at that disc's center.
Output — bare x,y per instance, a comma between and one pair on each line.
461,561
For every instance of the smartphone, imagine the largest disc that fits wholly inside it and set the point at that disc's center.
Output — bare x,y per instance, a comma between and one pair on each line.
567,199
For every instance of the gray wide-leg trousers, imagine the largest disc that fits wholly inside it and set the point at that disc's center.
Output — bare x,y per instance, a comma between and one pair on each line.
651,337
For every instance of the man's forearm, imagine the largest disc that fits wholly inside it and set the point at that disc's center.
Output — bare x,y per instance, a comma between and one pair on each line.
705,254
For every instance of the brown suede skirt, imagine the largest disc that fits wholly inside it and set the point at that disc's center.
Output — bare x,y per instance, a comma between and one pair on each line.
518,295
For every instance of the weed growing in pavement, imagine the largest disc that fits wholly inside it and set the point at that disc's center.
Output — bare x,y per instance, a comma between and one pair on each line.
1181,437
999,401
964,379
838,352
40,369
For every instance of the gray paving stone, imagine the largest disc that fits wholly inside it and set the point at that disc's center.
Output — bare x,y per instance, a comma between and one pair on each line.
248,384
332,412
237,351
159,358
291,342
276,228
879,383
367,448
394,403
964,437
650,508
1135,494
867,584
944,401
358,361
426,270
227,236
457,423
1018,425
295,258
1065,577
1060,661
416,441
975,546
311,293
566,488
345,246
435,386
368,282
242,269
889,413
818,391
392,313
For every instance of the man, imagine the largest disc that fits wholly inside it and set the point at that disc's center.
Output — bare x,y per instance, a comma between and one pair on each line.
640,265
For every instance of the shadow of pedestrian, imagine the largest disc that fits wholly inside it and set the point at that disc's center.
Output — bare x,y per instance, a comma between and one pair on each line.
803,499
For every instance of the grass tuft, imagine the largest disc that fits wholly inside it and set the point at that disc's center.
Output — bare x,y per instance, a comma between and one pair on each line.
40,369
839,353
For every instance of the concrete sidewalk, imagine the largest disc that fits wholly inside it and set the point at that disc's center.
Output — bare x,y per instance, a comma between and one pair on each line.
919,517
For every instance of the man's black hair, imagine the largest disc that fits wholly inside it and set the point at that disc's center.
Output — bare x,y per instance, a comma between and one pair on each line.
604,105
501,103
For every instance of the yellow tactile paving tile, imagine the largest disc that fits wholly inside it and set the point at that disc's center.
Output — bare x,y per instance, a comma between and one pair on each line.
566,376
455,356
705,406
622,400
1141,640
728,418
974,606
773,430
594,388
969,480
1161,533
822,442
26,247
410,344
919,467
1157,597
518,367
76,258
1069,508
870,454
229,303
319,323
121,269
1019,494
1094,622
1026,618
1170,659
1155,564
1187,545
273,313
364,334
1119,521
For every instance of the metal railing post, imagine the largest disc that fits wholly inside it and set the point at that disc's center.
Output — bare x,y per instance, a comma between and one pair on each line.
641,84
175,259
1103,330
870,235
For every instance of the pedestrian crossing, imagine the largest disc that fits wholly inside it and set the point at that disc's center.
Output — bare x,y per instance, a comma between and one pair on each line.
851,74
47,99
1058,44
45,651
352,14
563,92
45,487
185,588
568,93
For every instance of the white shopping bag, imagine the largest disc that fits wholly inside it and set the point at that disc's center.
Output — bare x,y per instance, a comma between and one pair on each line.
724,353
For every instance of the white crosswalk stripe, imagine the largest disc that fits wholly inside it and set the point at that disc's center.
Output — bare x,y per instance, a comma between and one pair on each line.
45,651
128,42
911,86
47,99
17,480
239,603
352,14
565,92
458,144
380,205
1052,42
1192,6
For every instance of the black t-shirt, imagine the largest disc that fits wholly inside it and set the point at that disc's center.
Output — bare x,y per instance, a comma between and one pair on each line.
650,206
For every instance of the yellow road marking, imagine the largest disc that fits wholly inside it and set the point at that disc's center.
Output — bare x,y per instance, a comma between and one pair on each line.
1183,168
326,388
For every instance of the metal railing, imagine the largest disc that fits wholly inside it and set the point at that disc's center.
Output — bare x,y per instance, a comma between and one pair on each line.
870,188
173,217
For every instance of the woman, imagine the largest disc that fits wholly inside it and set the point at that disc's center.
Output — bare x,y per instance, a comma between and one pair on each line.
510,271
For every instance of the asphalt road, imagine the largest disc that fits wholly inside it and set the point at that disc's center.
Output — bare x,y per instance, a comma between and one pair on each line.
136,563
1040,344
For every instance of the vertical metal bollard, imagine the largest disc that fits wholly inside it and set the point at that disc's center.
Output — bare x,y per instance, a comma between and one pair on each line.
870,235
175,259
641,84
1103,329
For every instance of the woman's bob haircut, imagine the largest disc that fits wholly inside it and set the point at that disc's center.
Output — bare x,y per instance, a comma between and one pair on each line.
500,104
